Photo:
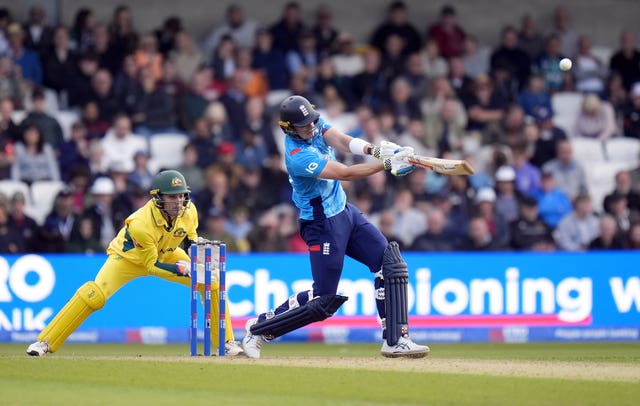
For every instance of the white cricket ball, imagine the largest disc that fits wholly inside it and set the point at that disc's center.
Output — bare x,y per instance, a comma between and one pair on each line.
565,64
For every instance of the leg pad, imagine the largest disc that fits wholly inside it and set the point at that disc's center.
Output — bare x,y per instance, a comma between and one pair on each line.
87,299
314,310
396,280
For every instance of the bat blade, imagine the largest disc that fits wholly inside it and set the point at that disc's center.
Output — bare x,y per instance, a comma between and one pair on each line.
443,166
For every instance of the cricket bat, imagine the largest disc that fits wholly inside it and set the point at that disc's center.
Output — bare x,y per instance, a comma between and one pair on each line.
443,166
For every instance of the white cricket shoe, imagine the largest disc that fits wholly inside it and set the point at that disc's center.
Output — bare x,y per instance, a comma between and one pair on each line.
404,348
232,348
38,349
252,343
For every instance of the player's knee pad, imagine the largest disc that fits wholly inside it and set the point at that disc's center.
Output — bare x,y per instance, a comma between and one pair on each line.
314,310
87,299
396,280
92,295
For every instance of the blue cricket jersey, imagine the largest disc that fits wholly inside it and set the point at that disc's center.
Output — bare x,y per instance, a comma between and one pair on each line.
316,198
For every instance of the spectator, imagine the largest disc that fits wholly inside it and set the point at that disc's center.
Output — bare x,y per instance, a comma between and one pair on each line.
476,57
609,238
618,207
79,91
589,71
238,226
147,55
568,173
190,169
195,101
49,127
393,59
547,65
59,63
578,228
166,34
287,30
260,122
5,20
479,237
186,57
396,23
434,239
26,59
237,26
214,229
10,133
35,159
370,86
409,222
434,64
596,119
544,137
324,31
119,145
484,105
346,61
75,151
535,97
251,151
626,61
527,175
154,110
528,232
122,34
11,240
217,192
497,224
21,222
102,92
38,34
304,59
624,187
141,176
101,212
254,82
55,233
81,31
12,86
266,236
271,61
529,38
631,114
403,107
106,52
507,196
445,118
510,57
561,28
508,130
235,103
447,33
83,239
218,124
633,237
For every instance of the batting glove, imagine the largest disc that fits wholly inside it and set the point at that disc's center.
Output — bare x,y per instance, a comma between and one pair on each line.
183,268
399,164
385,150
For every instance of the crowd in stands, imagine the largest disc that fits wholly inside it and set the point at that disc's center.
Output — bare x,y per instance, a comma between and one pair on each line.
82,105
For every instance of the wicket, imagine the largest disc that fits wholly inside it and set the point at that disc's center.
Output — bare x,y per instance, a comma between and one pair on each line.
221,249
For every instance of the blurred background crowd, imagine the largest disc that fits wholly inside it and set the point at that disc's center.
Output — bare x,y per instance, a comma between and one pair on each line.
91,111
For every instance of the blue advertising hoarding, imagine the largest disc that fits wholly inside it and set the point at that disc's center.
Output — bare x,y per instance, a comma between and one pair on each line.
459,297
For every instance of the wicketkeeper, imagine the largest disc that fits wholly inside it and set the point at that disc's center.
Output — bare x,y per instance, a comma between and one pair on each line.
147,245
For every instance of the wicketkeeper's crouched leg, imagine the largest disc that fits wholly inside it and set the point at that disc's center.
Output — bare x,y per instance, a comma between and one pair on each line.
87,299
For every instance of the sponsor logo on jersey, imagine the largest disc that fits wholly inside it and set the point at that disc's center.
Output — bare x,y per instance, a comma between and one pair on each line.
294,151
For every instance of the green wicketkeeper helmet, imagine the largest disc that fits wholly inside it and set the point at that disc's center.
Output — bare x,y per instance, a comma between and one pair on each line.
169,182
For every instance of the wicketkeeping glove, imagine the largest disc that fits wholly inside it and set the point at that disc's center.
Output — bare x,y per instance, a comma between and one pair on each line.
385,150
184,268
399,164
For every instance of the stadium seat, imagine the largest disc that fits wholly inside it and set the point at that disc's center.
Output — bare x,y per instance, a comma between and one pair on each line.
66,118
166,149
600,180
43,194
18,115
587,150
602,53
566,107
10,187
275,97
623,150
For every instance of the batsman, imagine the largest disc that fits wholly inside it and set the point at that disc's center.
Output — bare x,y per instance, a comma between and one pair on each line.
334,228
147,245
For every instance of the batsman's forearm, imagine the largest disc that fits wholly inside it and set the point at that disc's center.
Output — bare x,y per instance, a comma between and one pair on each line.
360,171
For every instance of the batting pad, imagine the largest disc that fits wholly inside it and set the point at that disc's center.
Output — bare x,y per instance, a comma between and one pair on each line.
314,310
396,279
87,299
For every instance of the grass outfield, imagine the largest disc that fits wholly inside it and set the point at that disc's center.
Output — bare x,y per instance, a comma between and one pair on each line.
320,374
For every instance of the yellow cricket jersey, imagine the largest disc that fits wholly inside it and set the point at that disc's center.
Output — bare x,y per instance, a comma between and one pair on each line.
147,238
